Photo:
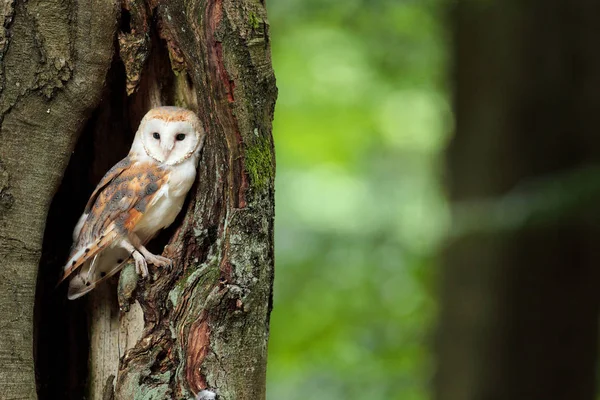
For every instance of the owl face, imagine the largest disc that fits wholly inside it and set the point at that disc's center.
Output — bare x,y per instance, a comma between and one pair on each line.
169,135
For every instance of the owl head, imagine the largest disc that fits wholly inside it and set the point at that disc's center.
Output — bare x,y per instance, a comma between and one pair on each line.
169,135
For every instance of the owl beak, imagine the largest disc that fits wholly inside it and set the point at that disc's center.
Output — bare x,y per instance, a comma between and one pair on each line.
167,147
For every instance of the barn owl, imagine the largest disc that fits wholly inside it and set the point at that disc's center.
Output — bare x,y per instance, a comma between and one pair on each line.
138,197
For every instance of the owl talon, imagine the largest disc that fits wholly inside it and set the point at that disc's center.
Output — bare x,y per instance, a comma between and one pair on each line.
156,260
141,266
160,261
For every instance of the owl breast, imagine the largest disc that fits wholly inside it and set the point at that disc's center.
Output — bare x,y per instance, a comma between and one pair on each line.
168,201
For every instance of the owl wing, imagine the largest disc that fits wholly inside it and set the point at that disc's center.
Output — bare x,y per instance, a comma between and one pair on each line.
115,208
110,176
112,173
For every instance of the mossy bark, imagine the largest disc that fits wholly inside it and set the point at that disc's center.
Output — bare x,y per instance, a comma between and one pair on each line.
519,315
90,70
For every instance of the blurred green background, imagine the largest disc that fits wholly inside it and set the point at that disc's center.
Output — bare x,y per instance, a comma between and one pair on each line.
360,126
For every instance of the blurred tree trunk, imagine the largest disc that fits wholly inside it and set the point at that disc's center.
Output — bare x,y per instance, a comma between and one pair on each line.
76,78
520,284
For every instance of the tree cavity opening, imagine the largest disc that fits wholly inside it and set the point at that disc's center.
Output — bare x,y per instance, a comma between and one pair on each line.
61,327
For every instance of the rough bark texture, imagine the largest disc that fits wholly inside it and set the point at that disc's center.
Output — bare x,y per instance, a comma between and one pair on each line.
520,291
54,56
93,69
206,322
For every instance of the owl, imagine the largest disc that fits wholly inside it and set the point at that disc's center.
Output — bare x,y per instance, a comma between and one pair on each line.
138,197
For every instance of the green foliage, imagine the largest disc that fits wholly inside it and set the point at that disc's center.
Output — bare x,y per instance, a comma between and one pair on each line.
361,120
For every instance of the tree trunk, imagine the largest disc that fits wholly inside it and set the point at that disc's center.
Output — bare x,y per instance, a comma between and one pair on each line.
76,79
520,280
54,57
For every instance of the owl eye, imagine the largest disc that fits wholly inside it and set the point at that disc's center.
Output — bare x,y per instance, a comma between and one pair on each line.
156,135
180,136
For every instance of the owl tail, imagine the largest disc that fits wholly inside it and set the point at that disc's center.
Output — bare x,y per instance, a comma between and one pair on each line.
95,271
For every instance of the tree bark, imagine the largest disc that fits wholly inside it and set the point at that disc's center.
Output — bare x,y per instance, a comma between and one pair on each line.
206,322
76,79
54,57
519,298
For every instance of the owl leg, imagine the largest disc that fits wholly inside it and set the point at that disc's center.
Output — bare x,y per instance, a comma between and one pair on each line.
141,266
154,259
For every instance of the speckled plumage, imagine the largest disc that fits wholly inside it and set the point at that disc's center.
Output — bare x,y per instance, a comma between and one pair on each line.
138,197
